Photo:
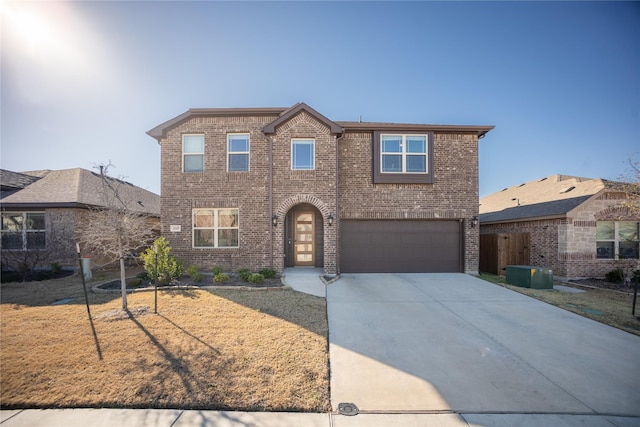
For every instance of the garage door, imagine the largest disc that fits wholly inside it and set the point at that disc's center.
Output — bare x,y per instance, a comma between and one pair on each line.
400,246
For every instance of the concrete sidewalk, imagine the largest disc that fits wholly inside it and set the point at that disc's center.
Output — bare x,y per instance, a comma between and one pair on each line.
178,418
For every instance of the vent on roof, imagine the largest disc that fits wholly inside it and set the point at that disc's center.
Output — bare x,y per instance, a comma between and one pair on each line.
566,190
542,179
522,185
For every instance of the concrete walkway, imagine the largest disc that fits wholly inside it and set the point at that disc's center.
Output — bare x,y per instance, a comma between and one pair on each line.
305,279
454,343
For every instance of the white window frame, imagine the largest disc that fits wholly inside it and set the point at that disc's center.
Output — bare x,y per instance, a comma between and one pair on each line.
403,154
25,231
230,153
216,228
616,240
295,141
194,153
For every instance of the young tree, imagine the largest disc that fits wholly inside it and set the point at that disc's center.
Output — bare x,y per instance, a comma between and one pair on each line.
116,228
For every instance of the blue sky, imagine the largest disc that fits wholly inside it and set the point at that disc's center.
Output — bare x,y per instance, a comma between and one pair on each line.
83,81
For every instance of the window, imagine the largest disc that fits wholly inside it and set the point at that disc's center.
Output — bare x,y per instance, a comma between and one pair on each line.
193,153
617,239
403,158
404,153
303,154
23,230
215,228
238,152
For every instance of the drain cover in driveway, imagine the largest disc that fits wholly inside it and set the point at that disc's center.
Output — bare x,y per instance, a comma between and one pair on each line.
347,409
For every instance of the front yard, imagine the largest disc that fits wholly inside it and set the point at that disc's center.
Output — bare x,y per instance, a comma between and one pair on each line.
611,307
256,350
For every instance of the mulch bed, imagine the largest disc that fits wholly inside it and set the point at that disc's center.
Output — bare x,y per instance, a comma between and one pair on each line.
185,281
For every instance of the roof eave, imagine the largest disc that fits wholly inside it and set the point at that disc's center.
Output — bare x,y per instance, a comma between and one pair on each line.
527,219
481,131
160,132
294,111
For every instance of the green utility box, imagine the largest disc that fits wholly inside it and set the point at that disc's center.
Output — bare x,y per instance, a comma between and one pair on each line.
527,276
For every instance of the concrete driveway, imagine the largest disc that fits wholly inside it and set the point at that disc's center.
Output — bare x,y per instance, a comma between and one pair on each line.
455,343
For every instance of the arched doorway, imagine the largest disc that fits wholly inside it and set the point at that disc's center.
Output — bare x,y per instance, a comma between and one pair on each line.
304,236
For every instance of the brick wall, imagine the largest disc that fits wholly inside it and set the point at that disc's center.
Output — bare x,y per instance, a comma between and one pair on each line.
453,194
568,246
217,188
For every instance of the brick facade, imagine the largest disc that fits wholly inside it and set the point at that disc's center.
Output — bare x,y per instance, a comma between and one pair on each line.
340,186
568,245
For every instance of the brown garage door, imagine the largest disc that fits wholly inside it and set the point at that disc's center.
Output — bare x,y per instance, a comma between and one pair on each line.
400,246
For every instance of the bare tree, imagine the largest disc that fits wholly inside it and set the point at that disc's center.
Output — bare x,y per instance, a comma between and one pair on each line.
116,228
631,184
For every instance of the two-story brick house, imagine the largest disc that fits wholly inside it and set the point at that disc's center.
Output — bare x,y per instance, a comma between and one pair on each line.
286,187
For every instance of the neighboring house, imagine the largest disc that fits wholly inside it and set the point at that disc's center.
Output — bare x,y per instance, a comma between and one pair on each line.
575,226
41,211
288,187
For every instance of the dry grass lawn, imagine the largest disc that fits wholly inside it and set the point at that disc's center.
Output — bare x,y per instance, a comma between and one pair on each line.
224,349
603,305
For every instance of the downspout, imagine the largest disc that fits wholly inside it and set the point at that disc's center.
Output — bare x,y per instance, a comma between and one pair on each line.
338,201
270,216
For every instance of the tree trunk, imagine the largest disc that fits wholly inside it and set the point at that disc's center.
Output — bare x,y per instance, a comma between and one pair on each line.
123,284
123,277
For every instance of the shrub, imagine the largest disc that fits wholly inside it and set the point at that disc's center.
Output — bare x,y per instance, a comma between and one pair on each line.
244,274
167,267
615,276
256,278
142,275
268,273
191,270
217,270
220,278
136,281
56,268
194,274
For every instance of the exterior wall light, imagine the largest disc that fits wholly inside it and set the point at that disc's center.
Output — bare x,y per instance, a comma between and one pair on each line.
274,220
330,219
474,222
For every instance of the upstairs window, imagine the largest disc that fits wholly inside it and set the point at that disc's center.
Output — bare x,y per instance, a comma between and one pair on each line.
238,152
403,158
303,154
192,153
617,239
403,153
23,230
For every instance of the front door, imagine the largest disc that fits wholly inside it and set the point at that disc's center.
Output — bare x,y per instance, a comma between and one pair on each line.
303,248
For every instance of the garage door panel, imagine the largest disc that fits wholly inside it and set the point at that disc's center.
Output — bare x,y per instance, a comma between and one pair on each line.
391,246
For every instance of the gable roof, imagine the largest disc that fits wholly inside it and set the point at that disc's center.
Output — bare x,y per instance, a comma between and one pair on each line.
294,111
161,130
77,188
550,197
283,114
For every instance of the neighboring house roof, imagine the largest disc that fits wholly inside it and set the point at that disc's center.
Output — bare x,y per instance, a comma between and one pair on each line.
78,188
10,182
285,114
549,197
